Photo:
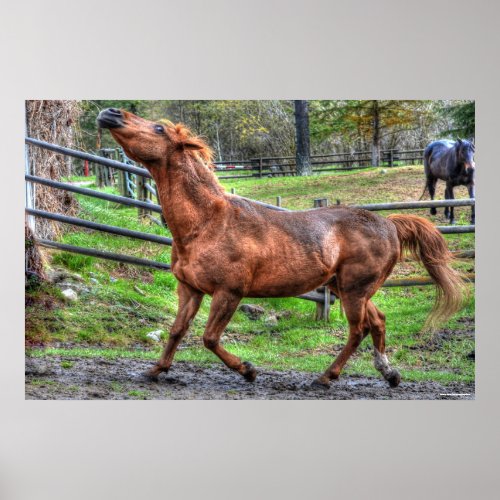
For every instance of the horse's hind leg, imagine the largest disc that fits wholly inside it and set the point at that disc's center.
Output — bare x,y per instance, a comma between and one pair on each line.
376,320
223,306
355,310
189,303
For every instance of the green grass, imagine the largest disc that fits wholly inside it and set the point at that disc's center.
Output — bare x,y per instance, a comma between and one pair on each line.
120,304
136,394
80,178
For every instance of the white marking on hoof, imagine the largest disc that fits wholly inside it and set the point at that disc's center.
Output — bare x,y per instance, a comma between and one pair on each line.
382,363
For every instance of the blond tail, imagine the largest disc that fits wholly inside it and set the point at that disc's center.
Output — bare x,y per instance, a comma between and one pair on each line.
425,243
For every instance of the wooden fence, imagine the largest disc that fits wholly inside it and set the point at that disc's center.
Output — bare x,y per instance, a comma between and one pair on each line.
322,296
285,165
266,166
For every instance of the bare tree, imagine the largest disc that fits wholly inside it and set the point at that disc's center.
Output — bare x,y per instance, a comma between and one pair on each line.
303,154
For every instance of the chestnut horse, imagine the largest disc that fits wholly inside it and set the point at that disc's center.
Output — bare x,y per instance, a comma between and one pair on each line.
230,248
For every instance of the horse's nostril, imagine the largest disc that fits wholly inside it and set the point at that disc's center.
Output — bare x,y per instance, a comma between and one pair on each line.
110,118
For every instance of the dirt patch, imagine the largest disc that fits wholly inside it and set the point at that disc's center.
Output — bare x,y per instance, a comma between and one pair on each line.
100,378
437,339
123,271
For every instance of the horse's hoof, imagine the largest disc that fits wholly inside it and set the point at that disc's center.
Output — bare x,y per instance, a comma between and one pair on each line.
153,373
433,211
320,383
250,372
394,379
149,376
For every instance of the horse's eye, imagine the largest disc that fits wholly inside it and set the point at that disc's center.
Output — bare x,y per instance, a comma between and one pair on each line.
159,129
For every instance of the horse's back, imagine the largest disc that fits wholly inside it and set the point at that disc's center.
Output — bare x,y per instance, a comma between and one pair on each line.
312,229
438,147
301,250
434,156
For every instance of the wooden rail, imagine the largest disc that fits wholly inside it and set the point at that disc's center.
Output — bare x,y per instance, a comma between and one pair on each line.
272,166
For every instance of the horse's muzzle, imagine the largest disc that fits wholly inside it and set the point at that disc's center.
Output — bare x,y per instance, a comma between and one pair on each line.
470,168
110,118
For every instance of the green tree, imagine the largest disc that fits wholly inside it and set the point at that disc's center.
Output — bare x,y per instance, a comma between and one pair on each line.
462,119
366,123
88,125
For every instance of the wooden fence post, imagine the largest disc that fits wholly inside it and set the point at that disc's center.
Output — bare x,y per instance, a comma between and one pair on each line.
101,176
278,201
260,168
141,193
322,309
320,202
123,183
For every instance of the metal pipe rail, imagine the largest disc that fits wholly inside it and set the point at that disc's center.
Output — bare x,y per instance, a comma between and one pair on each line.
89,157
93,193
151,189
127,259
400,205
91,252
383,206
157,208
142,171
312,296
100,227
456,229
468,278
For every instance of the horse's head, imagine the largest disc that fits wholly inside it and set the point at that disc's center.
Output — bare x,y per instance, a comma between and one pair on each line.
147,142
465,155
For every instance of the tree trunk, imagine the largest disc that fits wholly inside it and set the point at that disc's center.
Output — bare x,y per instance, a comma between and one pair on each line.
376,135
302,154
33,260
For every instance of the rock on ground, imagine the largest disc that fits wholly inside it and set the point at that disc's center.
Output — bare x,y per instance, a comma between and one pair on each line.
252,311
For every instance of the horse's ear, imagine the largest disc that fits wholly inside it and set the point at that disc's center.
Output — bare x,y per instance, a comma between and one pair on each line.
198,145
193,145
167,123
459,140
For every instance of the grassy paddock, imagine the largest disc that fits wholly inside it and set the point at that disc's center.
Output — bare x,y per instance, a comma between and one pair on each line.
120,304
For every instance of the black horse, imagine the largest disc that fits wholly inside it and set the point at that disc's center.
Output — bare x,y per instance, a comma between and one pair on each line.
452,162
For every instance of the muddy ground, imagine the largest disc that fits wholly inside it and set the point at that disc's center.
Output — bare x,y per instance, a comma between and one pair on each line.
99,378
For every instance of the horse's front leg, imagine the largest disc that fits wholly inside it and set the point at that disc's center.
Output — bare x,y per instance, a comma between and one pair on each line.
431,186
472,194
223,306
189,304
448,211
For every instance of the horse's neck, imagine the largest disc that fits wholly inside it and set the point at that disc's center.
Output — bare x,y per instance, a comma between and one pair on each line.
189,196
455,163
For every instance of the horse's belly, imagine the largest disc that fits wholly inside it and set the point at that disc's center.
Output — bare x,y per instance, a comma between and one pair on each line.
287,280
289,289
286,273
